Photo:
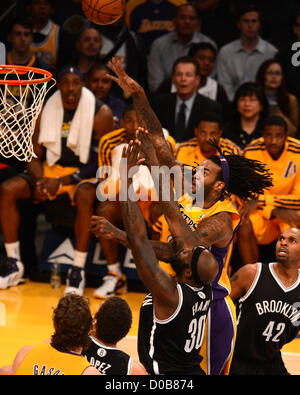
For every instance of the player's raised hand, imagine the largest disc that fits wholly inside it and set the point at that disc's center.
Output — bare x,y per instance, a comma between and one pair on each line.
125,82
101,227
147,150
131,155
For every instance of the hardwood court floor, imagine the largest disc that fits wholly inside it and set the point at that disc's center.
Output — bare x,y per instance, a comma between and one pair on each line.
26,318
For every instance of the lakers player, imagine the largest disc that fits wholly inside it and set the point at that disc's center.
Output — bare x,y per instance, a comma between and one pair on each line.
61,165
219,219
72,322
278,208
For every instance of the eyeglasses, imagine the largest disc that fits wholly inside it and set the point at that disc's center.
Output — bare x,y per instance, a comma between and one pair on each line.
273,73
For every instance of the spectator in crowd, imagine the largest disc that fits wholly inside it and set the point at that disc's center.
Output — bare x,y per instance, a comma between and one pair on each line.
111,324
151,19
179,111
101,86
277,19
250,108
20,37
271,78
239,60
45,31
69,127
167,49
88,48
263,220
61,355
206,55
121,42
197,149
289,58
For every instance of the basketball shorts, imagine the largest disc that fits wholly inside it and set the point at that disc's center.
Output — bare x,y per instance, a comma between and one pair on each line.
242,366
219,338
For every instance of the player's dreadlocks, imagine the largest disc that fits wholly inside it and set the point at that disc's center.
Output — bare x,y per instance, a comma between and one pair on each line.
243,177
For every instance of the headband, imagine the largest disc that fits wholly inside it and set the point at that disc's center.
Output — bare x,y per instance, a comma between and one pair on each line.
70,69
225,171
194,263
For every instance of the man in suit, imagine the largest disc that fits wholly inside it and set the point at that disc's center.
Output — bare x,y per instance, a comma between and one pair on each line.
179,112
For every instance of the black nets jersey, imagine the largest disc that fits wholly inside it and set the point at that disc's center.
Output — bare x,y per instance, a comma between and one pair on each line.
172,346
108,360
268,316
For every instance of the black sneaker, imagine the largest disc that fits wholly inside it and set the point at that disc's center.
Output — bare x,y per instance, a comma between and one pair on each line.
12,273
75,281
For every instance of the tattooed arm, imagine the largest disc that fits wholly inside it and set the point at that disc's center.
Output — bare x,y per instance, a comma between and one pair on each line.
100,226
242,280
146,116
215,230
162,286
179,229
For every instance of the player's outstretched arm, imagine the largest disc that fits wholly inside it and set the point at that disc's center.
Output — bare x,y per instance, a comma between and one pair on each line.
101,227
178,227
162,286
146,116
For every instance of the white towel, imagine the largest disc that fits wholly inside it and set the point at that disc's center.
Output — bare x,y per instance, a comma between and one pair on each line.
81,128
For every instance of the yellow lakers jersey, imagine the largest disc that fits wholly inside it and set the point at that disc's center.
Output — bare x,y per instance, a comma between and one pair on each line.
189,151
44,359
47,49
109,148
285,192
107,144
111,140
193,215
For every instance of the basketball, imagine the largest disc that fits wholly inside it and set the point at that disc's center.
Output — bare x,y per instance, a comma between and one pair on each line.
103,12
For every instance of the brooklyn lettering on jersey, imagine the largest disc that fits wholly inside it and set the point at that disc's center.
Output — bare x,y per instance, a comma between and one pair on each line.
280,307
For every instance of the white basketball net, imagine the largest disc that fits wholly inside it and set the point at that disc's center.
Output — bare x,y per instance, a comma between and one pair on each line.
20,106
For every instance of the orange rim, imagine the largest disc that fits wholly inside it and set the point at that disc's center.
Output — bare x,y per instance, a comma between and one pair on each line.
14,69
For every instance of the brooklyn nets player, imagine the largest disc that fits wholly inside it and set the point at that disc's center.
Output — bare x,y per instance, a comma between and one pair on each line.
173,316
111,324
268,309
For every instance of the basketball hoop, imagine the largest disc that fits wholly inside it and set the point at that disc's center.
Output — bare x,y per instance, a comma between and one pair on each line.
22,93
